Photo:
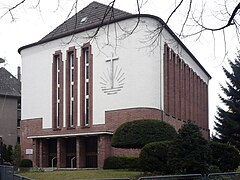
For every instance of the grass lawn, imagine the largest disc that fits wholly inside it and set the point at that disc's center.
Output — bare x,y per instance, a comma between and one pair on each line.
80,174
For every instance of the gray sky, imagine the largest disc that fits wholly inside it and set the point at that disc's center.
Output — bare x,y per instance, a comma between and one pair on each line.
31,24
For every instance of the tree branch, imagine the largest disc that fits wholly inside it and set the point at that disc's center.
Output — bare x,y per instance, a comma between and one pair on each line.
189,10
229,23
11,9
174,11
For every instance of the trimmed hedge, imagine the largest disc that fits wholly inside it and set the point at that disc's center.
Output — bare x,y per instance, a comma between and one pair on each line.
154,157
115,162
225,156
26,163
138,133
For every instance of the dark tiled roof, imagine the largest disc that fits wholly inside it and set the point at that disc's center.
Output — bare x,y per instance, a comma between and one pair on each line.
9,85
93,14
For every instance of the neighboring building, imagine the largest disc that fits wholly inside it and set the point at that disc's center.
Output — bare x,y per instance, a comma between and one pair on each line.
10,107
76,90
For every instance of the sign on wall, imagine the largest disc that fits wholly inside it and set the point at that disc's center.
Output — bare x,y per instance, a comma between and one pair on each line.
29,151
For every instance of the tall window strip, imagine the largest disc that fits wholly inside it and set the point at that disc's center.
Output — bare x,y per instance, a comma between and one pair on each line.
71,88
86,92
86,86
58,91
57,94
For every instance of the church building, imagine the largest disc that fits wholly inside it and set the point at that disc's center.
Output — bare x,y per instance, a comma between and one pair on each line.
97,70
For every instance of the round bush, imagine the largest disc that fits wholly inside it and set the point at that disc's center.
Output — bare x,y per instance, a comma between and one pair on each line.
138,133
116,162
154,157
26,163
225,156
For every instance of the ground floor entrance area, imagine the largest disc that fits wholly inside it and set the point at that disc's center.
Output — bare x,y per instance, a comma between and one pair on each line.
71,152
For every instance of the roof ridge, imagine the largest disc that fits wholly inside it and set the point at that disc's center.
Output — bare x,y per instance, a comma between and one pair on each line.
75,22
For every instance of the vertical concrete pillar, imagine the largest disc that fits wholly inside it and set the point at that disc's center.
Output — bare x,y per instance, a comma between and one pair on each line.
187,92
40,153
36,153
61,153
43,153
77,152
195,97
104,149
166,78
80,152
191,95
183,93
177,87
171,84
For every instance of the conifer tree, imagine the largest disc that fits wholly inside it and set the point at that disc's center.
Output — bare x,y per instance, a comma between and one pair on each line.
228,120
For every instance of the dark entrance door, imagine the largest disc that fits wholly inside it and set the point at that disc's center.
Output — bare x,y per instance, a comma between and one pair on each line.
71,152
91,152
52,152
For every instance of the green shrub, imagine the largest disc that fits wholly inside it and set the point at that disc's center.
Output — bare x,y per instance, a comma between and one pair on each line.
138,133
190,151
7,153
225,156
26,163
16,155
154,157
115,162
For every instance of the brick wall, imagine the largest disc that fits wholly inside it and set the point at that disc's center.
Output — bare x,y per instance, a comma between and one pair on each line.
185,93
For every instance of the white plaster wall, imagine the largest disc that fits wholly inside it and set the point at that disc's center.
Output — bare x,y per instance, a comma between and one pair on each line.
37,80
36,83
140,62
141,69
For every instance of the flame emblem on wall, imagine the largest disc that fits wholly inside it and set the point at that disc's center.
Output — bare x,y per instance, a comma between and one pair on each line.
112,80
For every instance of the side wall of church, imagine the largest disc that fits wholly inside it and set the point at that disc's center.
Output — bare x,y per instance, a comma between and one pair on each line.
185,93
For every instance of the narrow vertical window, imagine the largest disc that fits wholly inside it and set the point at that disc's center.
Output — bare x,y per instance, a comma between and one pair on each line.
71,90
57,92
86,79
71,86
86,86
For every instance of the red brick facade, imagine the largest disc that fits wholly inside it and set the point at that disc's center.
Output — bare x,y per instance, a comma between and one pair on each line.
75,89
82,84
185,93
57,54
33,136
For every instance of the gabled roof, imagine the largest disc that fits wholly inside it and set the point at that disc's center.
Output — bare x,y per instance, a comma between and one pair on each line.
91,17
9,85
93,14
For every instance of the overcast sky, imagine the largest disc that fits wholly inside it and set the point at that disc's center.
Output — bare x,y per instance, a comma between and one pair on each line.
31,24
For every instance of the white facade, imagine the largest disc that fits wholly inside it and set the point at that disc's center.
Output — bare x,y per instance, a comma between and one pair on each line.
137,70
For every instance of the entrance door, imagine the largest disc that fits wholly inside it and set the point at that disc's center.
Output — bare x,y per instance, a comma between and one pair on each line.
91,152
71,152
52,153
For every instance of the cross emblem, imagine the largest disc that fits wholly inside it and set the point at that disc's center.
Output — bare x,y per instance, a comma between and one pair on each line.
111,60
